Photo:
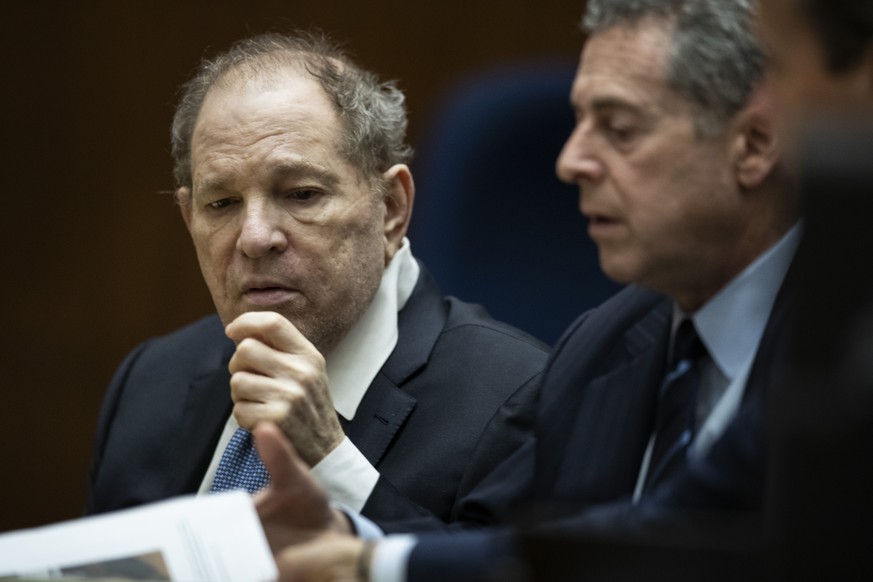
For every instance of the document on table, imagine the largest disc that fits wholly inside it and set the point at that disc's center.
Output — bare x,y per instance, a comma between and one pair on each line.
210,538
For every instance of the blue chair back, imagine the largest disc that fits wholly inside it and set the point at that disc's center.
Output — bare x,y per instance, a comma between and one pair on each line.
492,221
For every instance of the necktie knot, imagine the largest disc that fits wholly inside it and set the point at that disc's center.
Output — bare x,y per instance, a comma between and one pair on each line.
686,345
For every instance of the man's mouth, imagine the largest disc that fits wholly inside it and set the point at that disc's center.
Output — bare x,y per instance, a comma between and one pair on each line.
268,294
599,219
601,224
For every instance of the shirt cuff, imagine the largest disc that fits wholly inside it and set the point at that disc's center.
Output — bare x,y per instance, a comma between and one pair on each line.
391,558
346,475
364,528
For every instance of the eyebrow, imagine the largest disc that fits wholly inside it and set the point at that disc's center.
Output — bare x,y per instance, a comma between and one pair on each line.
606,103
305,169
601,105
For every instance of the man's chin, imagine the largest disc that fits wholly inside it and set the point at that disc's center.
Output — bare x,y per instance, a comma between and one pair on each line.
618,270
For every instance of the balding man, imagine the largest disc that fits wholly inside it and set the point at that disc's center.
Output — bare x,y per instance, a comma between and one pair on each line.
293,183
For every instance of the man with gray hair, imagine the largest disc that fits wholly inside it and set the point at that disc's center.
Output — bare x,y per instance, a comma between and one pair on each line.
652,404
292,178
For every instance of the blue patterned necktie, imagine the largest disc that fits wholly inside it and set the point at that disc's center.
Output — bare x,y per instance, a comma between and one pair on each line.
677,402
240,466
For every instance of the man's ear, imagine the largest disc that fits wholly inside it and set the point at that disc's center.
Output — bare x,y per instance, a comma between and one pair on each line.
399,196
183,199
756,149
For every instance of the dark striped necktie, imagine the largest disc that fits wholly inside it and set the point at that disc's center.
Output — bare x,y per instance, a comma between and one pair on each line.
677,402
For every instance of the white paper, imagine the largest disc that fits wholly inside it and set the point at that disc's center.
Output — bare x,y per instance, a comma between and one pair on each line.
213,538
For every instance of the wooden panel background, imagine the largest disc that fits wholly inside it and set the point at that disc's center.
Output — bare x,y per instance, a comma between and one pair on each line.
95,258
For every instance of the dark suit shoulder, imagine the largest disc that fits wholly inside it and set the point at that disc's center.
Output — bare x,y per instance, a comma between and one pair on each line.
436,333
170,389
169,361
609,320
200,345
473,319
632,319
490,356
161,369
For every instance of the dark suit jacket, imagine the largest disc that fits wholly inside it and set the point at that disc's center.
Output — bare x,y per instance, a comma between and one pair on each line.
596,415
453,400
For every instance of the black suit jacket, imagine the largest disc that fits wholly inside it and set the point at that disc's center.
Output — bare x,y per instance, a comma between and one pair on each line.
594,420
596,416
453,400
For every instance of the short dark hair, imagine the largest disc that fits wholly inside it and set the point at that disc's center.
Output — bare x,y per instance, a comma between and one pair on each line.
373,113
845,28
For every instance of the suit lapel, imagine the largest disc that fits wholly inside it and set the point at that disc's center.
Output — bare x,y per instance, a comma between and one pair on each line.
386,405
206,410
419,325
615,415
381,414
601,392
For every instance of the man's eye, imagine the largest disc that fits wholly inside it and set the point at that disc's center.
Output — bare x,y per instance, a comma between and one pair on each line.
219,204
305,195
621,133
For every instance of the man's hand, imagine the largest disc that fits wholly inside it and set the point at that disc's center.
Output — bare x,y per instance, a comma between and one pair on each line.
329,558
279,376
293,508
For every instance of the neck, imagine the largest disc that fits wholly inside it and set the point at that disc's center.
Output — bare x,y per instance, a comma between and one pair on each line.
725,266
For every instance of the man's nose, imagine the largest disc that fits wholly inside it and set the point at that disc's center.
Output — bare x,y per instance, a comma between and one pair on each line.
262,229
578,161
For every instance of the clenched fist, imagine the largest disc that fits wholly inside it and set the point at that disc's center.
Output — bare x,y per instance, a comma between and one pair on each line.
277,375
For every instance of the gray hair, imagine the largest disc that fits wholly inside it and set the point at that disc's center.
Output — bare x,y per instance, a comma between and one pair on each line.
373,114
714,60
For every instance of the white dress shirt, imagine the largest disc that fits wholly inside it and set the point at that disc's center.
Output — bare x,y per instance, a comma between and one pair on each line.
345,473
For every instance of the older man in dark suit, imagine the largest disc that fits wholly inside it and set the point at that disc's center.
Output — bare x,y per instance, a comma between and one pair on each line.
292,180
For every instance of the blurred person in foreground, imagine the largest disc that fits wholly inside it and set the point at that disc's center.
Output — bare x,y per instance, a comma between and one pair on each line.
821,507
821,55
651,405
291,166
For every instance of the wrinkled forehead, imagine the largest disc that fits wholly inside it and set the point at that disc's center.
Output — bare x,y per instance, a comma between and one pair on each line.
258,116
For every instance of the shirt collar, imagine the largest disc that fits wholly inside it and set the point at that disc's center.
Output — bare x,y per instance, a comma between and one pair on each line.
732,323
357,359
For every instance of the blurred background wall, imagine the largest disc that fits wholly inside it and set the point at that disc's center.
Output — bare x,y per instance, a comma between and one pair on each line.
94,255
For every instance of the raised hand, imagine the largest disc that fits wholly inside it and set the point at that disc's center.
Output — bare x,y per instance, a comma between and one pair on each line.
277,375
